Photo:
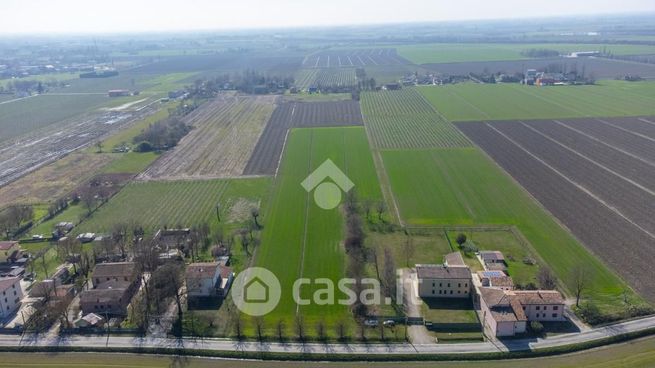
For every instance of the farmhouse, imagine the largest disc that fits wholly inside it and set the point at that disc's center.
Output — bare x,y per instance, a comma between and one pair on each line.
12,293
118,93
449,280
507,312
208,279
9,251
114,285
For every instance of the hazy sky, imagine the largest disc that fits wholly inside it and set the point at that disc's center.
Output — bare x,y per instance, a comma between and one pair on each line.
38,16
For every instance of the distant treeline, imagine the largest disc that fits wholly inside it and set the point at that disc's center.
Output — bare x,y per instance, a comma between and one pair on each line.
250,81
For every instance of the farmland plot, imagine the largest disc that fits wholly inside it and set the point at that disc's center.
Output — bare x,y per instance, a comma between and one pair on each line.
223,137
330,77
300,239
403,119
460,186
353,58
266,156
185,203
595,175
475,102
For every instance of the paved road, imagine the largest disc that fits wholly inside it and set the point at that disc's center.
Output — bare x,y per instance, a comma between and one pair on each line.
406,348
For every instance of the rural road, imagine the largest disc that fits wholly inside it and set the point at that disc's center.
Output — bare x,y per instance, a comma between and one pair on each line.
406,348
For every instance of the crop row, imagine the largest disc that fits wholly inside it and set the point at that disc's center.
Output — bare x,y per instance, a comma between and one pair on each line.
577,192
403,119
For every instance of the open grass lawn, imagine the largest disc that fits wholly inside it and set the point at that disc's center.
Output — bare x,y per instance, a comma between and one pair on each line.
422,247
130,162
462,186
71,214
302,240
174,203
473,102
463,52
512,249
440,310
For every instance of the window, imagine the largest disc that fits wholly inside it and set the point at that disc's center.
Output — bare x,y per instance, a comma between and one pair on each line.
545,307
538,307
466,284
440,284
14,293
449,284
459,291
554,315
451,292
459,285
433,284
466,291
433,292
439,292
555,308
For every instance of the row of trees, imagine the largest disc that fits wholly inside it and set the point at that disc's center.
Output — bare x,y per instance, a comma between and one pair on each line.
162,135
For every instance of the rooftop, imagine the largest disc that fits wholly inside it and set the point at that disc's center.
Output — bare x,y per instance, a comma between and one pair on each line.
201,270
117,269
442,272
5,245
6,282
492,255
539,297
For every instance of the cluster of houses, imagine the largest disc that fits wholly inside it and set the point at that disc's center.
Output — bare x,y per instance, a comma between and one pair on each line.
115,284
504,310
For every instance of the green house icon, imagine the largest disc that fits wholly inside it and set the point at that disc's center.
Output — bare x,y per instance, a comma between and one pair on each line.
255,291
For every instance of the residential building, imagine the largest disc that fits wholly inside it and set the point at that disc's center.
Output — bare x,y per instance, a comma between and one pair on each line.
208,279
542,305
11,294
202,279
443,281
502,313
507,312
114,285
8,251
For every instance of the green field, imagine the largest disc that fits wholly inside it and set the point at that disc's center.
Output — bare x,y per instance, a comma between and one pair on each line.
462,186
463,52
467,101
300,239
130,162
403,119
174,203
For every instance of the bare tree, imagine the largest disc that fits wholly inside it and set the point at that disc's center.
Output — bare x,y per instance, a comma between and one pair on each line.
238,326
254,212
389,274
579,281
168,281
340,329
281,328
381,208
259,327
408,249
320,330
546,278
300,327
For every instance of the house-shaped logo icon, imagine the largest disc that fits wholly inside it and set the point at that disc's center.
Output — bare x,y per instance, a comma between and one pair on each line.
327,194
256,291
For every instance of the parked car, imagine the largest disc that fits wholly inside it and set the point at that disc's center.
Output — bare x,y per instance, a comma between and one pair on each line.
371,323
389,323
